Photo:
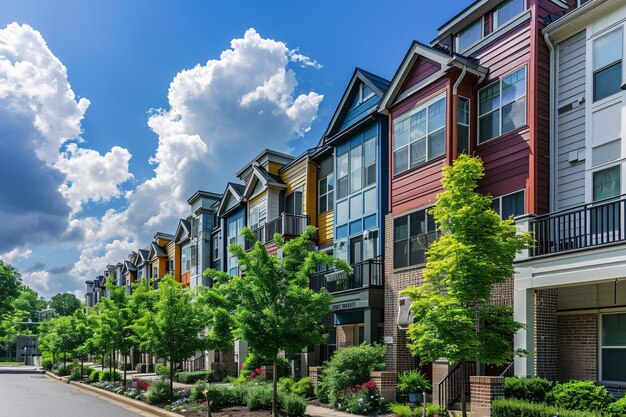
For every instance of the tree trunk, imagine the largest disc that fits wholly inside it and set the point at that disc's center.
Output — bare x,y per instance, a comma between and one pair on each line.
171,377
125,371
275,386
82,364
64,359
463,397
102,362
111,367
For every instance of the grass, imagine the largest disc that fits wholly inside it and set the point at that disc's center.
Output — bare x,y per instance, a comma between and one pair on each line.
11,363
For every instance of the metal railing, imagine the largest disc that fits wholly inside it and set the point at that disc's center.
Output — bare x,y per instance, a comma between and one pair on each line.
287,224
368,273
509,371
586,226
196,364
451,387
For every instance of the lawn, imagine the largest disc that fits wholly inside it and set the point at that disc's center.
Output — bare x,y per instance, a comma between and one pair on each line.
11,363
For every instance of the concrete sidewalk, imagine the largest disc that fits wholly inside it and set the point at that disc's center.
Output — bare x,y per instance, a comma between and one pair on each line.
317,411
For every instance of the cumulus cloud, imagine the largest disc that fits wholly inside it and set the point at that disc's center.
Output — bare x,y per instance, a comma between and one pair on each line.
220,115
15,255
303,60
38,281
40,114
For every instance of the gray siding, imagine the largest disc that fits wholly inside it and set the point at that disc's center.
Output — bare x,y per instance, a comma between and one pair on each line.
570,176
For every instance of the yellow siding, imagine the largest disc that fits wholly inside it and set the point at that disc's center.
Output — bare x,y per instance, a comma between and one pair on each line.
325,227
295,177
273,167
258,197
310,193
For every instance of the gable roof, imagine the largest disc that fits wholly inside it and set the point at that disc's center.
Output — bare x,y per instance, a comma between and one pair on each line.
183,231
445,60
267,179
377,84
232,191
156,251
142,256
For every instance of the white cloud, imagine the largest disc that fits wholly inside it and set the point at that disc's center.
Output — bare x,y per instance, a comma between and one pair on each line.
303,60
221,114
16,255
38,281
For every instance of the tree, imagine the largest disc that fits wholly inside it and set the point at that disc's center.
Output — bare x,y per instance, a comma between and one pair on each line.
84,333
172,329
272,306
65,304
453,314
10,285
105,327
58,336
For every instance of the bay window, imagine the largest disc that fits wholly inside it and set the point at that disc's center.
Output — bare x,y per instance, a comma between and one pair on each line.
607,64
420,136
411,235
502,106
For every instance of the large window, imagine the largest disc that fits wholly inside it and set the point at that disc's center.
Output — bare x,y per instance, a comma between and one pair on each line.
470,35
509,205
613,347
216,248
356,169
411,236
606,183
235,224
607,65
507,11
342,175
463,125
186,258
502,106
420,136
293,202
326,193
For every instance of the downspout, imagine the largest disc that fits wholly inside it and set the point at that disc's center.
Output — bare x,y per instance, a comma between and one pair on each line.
552,130
455,103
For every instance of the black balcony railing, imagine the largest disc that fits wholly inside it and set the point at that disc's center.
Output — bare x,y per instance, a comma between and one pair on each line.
364,274
287,225
581,227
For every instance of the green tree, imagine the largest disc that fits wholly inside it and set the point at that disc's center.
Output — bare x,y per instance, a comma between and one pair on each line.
272,306
65,304
10,285
84,332
453,314
30,303
172,329
105,327
58,336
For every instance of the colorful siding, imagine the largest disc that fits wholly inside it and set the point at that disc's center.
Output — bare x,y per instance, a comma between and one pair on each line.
273,167
325,227
423,69
309,199
359,111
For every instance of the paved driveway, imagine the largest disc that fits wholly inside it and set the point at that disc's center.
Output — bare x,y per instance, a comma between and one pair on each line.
25,392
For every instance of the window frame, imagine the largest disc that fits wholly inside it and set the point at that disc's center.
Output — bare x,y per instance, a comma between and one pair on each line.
293,196
185,258
605,167
618,28
215,250
424,105
457,36
500,106
363,99
326,194
468,125
500,197
496,21
409,237
601,346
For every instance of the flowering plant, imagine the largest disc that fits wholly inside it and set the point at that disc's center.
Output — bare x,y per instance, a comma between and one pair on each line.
360,399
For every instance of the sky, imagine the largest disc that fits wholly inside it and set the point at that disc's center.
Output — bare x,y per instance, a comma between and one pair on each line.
112,113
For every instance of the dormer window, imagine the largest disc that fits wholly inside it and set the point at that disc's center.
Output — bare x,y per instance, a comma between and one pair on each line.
507,11
470,35
365,93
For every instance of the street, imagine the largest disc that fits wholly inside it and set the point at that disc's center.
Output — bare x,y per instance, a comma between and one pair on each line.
26,392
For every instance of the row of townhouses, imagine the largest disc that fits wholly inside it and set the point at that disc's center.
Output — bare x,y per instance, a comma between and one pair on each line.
535,88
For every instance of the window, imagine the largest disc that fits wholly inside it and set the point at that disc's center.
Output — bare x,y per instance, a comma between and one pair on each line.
170,266
356,168
463,125
293,203
509,205
216,247
258,214
186,258
411,236
420,136
369,201
606,183
342,212
365,93
235,224
470,35
155,272
502,106
342,176
369,162
326,193
356,206
607,65
507,11
613,347
194,228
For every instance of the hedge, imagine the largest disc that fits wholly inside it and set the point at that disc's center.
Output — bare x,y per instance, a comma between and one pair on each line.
519,408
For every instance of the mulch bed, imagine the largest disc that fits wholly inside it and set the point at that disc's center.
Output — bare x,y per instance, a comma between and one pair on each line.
237,411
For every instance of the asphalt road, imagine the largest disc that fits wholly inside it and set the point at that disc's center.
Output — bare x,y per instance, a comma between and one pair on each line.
27,393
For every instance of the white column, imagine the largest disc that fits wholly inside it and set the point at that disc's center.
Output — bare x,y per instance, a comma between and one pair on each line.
524,312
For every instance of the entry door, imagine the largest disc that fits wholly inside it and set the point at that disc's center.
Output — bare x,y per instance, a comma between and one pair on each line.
356,250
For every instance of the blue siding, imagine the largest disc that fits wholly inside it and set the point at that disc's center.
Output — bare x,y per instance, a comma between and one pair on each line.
358,111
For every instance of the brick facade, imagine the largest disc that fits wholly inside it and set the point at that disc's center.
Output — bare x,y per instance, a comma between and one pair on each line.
578,346
484,390
398,356
386,383
546,334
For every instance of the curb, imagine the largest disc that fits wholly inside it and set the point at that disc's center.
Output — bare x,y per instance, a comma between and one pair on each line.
116,398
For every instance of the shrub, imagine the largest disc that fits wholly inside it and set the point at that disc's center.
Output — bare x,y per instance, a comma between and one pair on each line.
162,371
47,364
580,395
413,381
158,392
94,376
220,395
293,405
63,370
193,377
304,388
433,410
528,389
110,376
519,408
350,366
75,374
360,399
618,408
255,361
321,391
143,368
286,384
401,410
259,398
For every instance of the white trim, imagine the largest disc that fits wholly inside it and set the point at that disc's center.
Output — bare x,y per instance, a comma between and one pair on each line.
481,21
496,24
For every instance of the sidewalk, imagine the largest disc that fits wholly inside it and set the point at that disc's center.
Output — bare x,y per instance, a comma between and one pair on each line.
317,411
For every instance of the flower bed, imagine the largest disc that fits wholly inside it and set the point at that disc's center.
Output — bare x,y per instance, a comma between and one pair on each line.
361,399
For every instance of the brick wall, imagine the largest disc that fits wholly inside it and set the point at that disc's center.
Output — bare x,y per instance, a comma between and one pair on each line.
314,374
398,356
386,383
345,336
578,346
546,334
484,390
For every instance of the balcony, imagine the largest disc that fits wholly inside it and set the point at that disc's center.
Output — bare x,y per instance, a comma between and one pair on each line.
366,274
591,225
286,225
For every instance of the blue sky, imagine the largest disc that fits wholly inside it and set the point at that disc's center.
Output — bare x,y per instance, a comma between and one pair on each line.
123,55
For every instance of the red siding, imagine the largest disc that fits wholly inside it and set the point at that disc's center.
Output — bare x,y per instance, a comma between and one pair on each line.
419,186
421,70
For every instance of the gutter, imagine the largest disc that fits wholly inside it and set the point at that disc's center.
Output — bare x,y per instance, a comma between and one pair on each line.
552,136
